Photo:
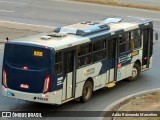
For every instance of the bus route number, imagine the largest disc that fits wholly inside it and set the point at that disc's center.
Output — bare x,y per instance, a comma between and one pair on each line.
38,53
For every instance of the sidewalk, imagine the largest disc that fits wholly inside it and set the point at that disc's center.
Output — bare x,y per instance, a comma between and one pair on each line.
142,102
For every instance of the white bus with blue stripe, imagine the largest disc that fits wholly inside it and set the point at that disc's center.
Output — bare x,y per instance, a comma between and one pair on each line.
75,60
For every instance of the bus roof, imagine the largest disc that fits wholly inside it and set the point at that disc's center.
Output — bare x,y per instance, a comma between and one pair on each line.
80,33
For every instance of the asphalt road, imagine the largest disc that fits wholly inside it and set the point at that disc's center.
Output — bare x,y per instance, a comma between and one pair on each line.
61,12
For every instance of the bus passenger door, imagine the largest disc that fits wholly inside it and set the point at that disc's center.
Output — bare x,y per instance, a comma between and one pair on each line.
146,48
68,85
112,52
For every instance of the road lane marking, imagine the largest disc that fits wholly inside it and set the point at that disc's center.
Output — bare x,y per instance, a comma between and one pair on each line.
6,11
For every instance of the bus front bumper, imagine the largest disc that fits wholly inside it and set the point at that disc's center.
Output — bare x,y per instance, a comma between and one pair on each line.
48,98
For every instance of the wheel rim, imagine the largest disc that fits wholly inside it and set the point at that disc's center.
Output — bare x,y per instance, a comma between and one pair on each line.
134,72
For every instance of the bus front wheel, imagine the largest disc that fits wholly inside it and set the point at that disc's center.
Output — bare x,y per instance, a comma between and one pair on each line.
87,91
135,72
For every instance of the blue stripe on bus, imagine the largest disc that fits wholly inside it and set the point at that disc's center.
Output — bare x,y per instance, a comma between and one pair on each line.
110,63
107,65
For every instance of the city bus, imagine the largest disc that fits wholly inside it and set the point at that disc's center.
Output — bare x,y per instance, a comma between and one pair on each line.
73,61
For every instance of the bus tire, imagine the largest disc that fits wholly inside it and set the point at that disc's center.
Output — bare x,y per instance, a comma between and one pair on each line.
87,91
135,72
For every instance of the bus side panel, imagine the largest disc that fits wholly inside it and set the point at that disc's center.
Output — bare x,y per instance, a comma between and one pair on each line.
83,73
79,89
98,72
121,73
91,71
97,84
58,96
126,70
124,59
111,75
134,59
64,90
104,80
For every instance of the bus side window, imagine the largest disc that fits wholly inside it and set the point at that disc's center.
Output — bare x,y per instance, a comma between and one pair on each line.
125,42
137,38
78,51
58,69
107,49
68,62
111,48
84,53
58,63
132,40
99,50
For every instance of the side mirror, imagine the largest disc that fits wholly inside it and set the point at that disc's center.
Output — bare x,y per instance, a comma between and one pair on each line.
156,36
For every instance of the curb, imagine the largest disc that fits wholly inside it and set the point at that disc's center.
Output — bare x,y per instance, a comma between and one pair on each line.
118,104
25,26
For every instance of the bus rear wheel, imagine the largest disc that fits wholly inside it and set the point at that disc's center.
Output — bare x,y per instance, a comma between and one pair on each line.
135,72
87,91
